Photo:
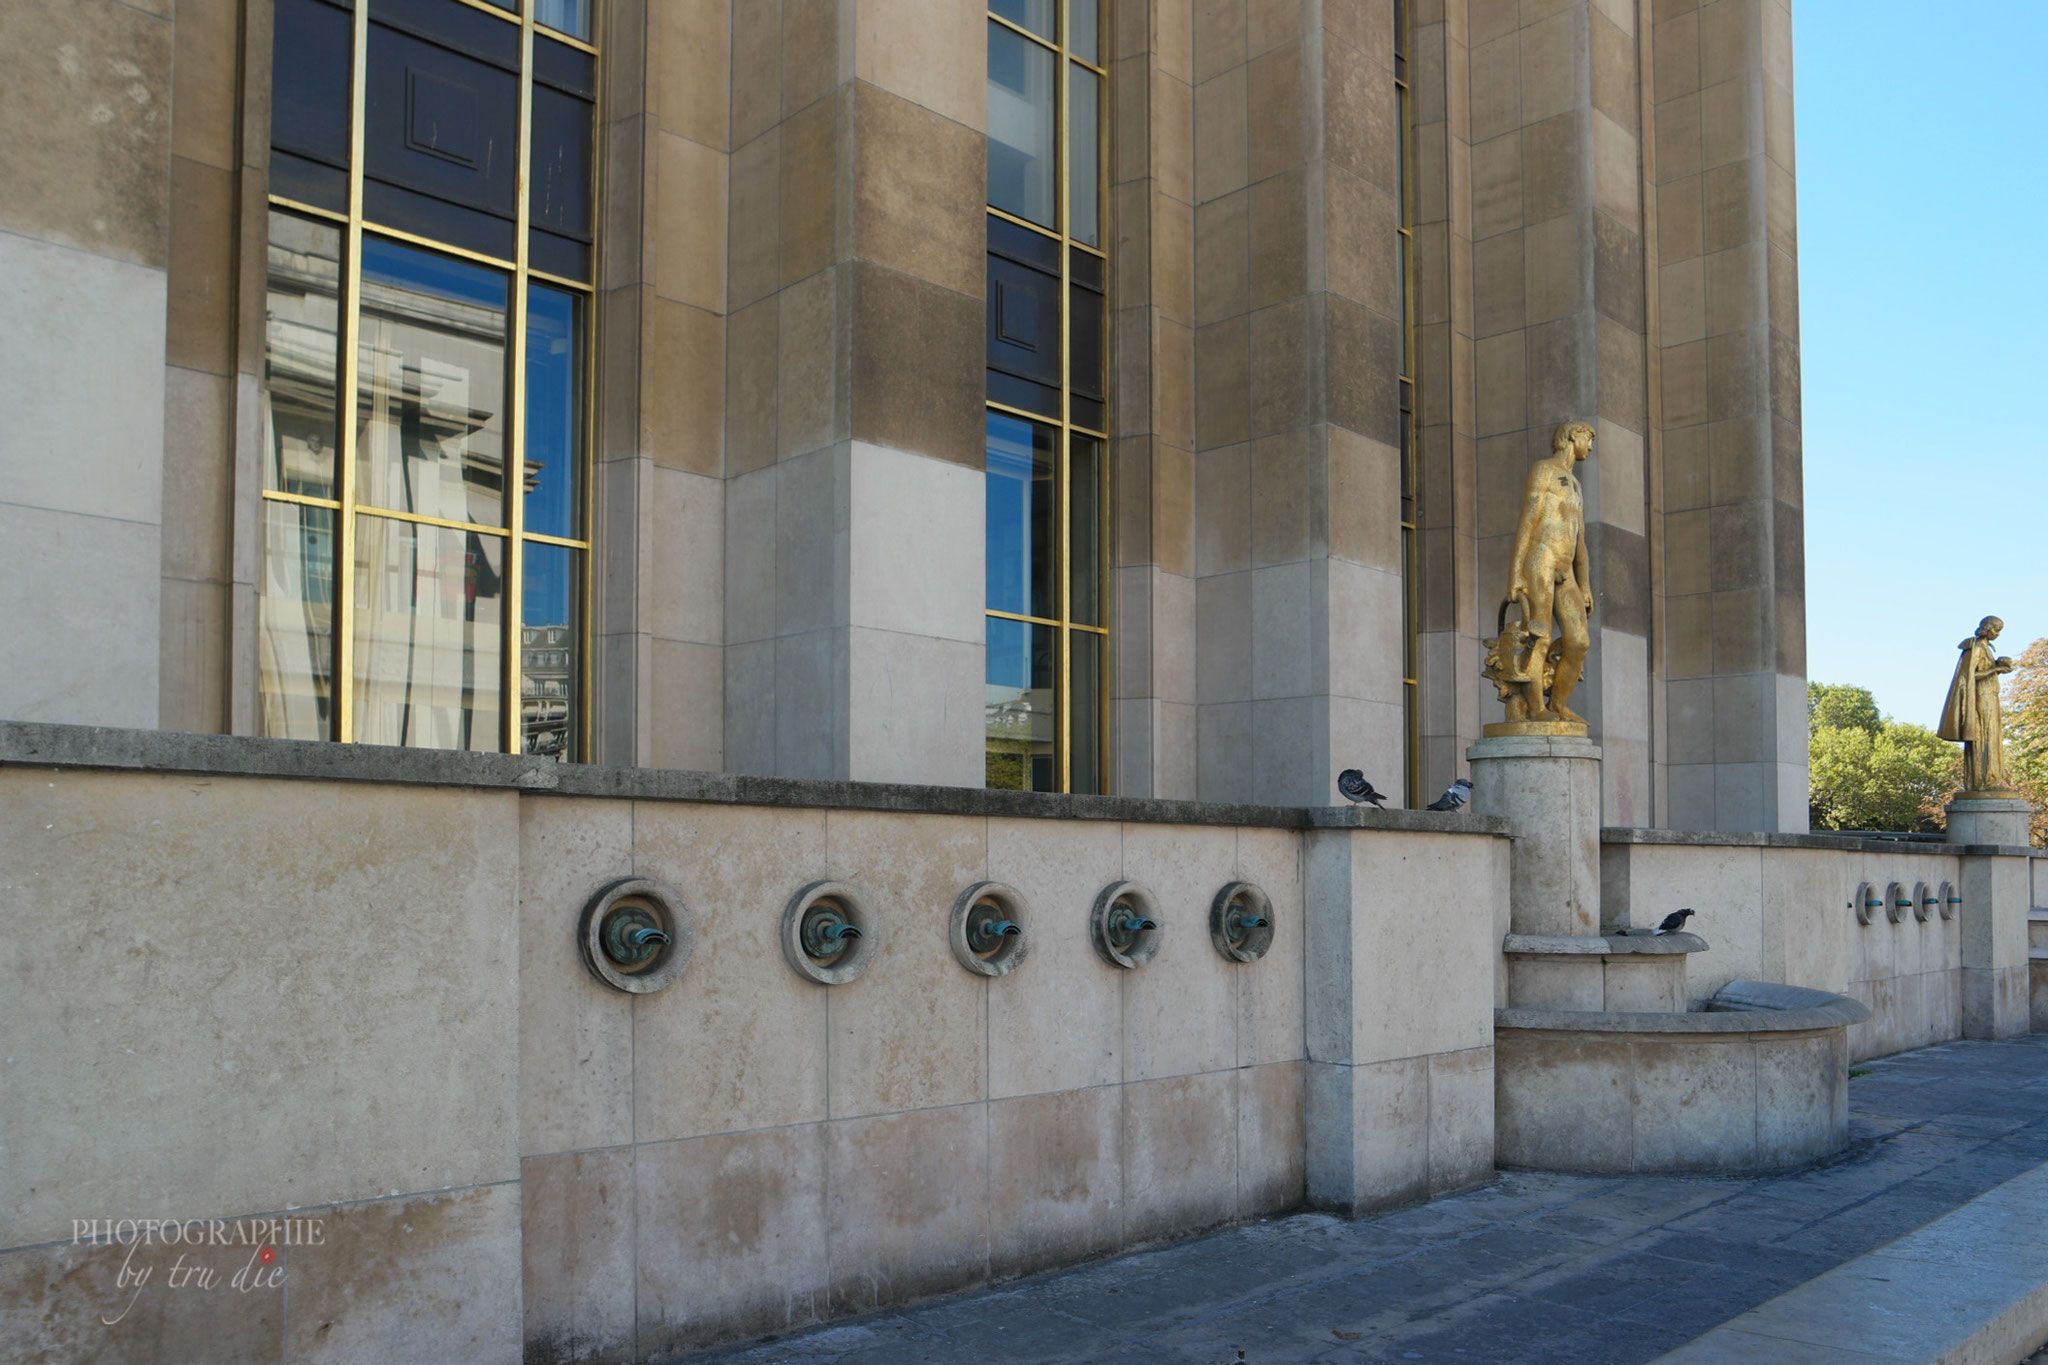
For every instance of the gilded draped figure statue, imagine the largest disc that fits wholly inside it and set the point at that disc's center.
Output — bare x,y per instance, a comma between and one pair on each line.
1973,713
1548,584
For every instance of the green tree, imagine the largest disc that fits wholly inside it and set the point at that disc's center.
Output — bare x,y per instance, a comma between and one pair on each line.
2026,731
1841,706
1869,772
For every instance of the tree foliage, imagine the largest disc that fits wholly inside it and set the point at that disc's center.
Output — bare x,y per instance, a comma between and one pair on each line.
1841,706
2026,731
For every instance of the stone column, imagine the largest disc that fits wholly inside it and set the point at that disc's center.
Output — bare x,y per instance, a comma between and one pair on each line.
1550,787
1997,892
1977,819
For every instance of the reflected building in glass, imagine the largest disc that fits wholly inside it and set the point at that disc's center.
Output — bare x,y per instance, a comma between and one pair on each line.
1039,395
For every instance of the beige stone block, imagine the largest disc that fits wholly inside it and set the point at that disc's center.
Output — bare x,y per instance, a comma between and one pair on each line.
811,44
917,377
1497,86
1173,38
1278,233
87,165
1498,303
1287,492
198,475
689,236
1734,288
1496,185
439,1272
1613,61
1219,36
684,392
1359,241
907,1210
205,82
752,343
755,265
1368,1134
1222,136
1274,111
575,1034
1554,167
735,867
807,365
809,204
1617,172
1270,991
1725,134
1172,259
577,1250
1685,384
1269,23
193,640
1728,210
909,1033
1271,1139
1461,1119
1553,254
1364,513
1563,1101
1502,380
1682,303
1675,48
1278,382
1222,380
1554,983
377,1115
756,71
933,55
1695,1105
920,190
1551,66
687,706
1180,1158
1360,119
1620,474
1679,143
1177,136
1173,371
1679,220
1180,1009
730,1236
1055,1179
1223,508
691,57
1724,40
55,1302
1222,257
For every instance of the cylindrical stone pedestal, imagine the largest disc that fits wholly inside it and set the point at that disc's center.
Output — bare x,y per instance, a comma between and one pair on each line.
1974,819
1550,787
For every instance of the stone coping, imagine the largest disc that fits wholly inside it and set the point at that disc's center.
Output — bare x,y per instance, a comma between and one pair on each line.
1646,943
1837,1013
34,744
1832,843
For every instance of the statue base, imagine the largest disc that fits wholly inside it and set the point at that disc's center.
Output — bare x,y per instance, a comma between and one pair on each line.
1549,785
1563,729
1988,817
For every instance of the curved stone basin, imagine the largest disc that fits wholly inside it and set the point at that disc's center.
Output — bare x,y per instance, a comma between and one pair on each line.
1734,1088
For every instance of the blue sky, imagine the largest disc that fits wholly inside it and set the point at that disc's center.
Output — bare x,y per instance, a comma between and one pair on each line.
1923,259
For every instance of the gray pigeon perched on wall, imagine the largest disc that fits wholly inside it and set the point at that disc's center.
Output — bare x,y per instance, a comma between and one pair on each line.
1673,922
1454,797
1357,790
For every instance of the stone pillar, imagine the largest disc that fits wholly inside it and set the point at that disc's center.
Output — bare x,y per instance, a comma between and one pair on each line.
1989,820
1996,890
1400,997
1550,787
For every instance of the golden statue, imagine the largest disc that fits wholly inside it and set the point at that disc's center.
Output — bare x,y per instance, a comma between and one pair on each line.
1548,581
1973,714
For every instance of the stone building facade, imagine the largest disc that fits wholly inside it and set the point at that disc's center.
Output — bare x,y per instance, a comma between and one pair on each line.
1343,266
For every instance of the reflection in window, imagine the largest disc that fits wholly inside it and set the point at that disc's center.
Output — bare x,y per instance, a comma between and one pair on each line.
393,539
1019,710
1022,117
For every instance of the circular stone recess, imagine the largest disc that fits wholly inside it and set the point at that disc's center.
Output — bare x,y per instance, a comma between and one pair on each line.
986,929
1126,924
1864,901
636,935
828,936
1241,922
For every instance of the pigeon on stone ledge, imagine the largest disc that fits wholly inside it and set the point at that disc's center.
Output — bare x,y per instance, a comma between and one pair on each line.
1674,922
1357,790
1454,797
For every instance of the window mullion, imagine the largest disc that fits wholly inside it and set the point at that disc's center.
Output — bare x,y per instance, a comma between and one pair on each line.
343,577
512,636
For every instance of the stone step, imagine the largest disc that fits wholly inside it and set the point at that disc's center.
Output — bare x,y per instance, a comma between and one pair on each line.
1970,1286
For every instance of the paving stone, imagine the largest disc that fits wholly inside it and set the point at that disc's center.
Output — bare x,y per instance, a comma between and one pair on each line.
1535,1269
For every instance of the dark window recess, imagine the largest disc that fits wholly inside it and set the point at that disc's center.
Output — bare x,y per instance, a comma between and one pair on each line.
309,182
453,25
309,105
1013,392
1023,322
559,256
1085,267
567,69
1084,340
1086,412
1022,245
561,164
440,142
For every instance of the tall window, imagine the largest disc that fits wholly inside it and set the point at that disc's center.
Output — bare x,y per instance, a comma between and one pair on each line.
430,257
1405,264
1048,469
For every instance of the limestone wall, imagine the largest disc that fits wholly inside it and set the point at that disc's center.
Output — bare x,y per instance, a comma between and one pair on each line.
262,990
1778,908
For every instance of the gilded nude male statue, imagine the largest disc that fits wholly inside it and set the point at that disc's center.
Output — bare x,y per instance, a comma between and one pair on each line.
1549,583
1973,713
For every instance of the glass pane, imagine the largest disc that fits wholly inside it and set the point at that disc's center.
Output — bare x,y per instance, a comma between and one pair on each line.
429,617
295,617
1401,283
1036,15
1086,723
1084,31
1018,713
1021,164
1022,508
1084,156
430,401
300,349
549,641
1084,535
564,16
554,412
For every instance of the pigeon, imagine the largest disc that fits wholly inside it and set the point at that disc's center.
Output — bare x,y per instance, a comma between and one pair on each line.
1357,790
1454,796
1674,922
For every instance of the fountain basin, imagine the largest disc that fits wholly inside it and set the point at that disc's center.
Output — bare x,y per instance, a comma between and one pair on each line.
1742,1085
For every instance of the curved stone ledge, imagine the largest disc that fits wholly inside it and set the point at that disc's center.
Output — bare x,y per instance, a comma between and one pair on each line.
1840,1012
1602,945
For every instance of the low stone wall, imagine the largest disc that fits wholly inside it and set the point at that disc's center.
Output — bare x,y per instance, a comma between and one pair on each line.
1779,908
253,979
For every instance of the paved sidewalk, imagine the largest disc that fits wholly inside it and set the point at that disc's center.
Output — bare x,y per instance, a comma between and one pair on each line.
1535,1268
